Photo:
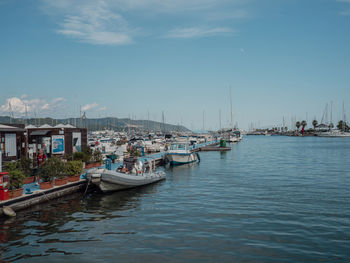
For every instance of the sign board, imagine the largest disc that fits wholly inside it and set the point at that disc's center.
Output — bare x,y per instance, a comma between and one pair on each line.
76,142
57,144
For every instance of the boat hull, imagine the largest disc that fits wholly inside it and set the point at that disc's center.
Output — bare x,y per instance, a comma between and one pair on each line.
177,159
334,135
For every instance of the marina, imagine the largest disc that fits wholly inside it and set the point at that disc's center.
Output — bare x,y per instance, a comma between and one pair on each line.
175,131
248,204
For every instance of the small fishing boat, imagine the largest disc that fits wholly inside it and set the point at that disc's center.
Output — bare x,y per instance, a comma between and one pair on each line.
131,174
179,153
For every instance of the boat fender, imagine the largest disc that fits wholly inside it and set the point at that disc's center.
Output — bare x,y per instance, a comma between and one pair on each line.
199,158
8,211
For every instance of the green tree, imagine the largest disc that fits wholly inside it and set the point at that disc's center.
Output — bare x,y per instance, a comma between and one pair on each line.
314,123
298,124
342,125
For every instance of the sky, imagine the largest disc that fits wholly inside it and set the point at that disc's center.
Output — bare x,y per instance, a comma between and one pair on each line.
136,58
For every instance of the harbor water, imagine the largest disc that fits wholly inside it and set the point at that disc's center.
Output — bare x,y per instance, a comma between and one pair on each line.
270,199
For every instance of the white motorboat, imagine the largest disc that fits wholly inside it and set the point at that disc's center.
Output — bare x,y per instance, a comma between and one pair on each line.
131,175
179,153
334,133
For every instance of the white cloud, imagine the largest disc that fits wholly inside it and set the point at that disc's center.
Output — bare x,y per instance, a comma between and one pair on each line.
114,22
196,32
58,100
89,106
24,106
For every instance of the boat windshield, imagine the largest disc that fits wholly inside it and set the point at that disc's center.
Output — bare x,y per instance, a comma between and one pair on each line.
178,147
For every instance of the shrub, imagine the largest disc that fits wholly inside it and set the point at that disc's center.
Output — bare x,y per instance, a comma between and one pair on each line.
12,166
15,173
96,157
81,156
74,168
16,179
27,166
53,167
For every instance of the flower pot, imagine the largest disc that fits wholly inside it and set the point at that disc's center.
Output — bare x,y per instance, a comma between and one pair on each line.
73,178
29,180
60,181
46,185
15,193
88,166
4,194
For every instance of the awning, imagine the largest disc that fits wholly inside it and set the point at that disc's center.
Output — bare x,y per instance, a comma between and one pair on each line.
7,128
39,132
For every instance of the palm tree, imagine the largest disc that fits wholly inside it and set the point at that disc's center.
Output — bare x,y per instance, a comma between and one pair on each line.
314,123
298,124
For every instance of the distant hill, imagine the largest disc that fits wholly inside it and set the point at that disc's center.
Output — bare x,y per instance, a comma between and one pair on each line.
110,123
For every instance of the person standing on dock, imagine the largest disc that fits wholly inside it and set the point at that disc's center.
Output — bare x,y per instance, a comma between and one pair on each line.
41,158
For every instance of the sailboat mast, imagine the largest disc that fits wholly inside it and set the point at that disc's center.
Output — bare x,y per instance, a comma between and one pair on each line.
231,108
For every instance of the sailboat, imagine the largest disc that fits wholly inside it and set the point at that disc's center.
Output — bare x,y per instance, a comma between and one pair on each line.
336,132
234,135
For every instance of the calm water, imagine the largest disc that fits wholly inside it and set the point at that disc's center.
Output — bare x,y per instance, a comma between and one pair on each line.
271,199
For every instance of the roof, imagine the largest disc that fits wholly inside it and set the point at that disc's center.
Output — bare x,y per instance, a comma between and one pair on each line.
39,132
6,128
45,126
31,127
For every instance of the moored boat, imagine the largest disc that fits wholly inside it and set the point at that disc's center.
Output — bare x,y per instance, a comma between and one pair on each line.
131,174
180,153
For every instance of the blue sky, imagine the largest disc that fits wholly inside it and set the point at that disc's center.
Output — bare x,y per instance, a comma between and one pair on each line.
126,58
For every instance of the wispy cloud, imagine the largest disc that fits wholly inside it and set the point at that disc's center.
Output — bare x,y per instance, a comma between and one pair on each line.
102,108
345,12
93,22
89,106
119,22
196,32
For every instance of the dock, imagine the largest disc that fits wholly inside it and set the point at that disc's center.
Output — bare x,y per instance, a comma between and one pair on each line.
37,196
41,196
215,149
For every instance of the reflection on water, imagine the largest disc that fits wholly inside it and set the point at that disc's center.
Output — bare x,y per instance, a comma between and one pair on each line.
270,199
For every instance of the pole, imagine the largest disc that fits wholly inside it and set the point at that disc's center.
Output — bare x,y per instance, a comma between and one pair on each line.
231,108
0,161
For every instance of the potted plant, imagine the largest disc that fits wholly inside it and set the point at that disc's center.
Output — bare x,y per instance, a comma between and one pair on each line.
61,176
96,158
27,168
52,168
16,182
74,169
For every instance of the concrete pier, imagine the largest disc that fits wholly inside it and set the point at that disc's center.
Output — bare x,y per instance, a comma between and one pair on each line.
40,196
